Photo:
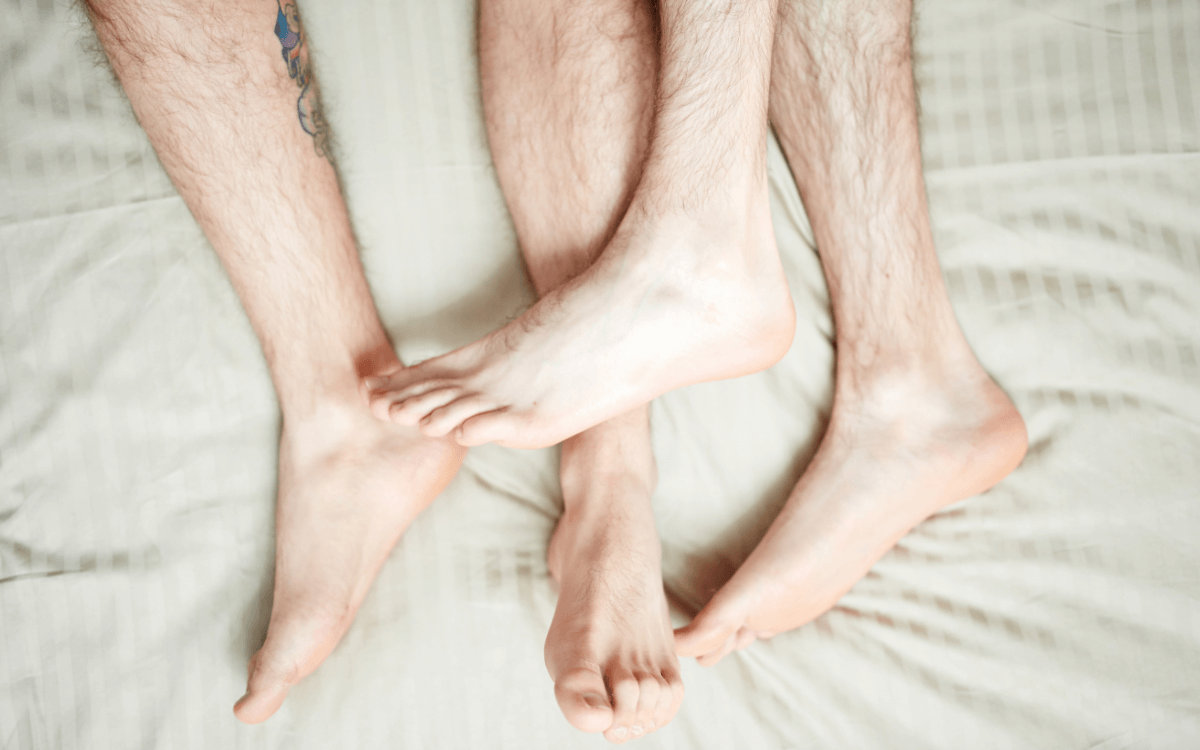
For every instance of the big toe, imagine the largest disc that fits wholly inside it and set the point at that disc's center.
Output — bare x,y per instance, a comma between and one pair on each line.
266,688
706,634
496,426
293,649
583,698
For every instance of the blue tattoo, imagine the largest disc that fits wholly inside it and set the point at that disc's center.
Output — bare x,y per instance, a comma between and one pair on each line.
295,55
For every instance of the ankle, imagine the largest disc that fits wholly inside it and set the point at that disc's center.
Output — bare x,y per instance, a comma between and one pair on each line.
613,458
900,381
335,388
331,422
725,212
589,486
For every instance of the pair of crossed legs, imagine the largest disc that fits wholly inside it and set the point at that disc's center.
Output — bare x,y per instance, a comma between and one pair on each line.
630,144
631,149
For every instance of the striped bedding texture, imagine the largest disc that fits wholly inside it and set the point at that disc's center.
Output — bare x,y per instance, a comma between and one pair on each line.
138,425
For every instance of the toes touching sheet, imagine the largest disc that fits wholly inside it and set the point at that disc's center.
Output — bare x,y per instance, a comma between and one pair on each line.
654,277
634,171
610,649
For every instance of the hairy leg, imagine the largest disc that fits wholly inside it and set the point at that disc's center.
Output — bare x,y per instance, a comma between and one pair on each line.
568,93
610,649
688,289
917,424
238,126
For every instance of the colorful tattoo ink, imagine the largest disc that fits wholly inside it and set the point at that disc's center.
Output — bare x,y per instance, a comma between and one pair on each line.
295,55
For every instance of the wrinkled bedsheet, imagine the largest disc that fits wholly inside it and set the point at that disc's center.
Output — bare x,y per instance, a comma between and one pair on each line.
138,425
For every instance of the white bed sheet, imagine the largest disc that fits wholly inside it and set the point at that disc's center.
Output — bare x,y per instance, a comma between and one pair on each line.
137,421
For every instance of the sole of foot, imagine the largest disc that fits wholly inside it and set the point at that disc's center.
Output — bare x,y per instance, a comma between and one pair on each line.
886,463
610,649
670,302
349,485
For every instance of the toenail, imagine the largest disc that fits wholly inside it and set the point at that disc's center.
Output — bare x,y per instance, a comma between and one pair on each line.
637,731
620,733
594,700
373,384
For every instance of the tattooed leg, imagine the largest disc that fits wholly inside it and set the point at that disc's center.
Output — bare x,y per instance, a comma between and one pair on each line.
689,289
295,54
348,483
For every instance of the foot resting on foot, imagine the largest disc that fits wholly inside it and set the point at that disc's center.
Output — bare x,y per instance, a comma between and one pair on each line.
668,303
610,649
888,461
349,485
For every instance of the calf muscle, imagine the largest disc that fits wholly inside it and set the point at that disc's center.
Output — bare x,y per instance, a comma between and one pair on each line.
226,92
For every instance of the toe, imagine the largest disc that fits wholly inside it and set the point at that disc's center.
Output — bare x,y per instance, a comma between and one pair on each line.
745,637
716,655
381,405
650,690
708,632
295,646
443,420
385,390
625,690
490,427
736,641
383,382
583,698
266,688
411,410
670,698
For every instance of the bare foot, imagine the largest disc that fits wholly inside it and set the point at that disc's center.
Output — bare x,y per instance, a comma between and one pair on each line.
670,302
610,649
348,487
889,460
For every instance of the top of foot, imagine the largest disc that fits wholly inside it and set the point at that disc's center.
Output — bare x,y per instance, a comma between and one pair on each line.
660,309
610,649
883,466
349,485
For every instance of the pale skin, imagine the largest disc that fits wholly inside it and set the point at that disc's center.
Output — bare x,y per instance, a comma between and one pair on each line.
675,260
917,424
691,268
556,75
242,139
